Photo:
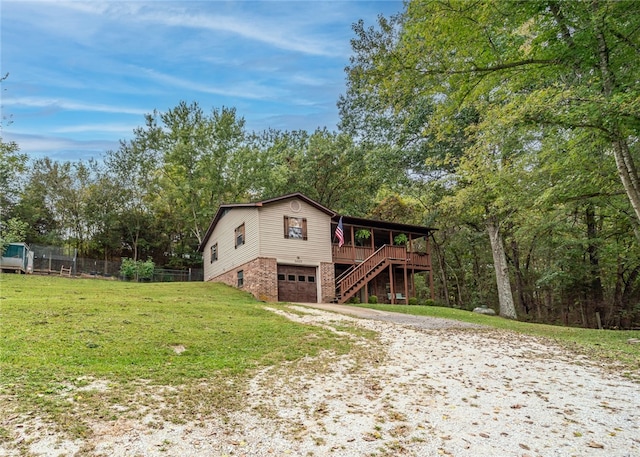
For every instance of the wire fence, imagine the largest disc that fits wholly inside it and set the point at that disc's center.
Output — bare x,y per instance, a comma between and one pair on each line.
65,261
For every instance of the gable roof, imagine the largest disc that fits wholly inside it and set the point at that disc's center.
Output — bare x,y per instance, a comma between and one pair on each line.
226,207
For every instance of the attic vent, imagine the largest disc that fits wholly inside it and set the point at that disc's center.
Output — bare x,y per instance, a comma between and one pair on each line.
295,206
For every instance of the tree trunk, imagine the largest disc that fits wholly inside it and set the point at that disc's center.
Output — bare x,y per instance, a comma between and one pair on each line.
443,273
628,175
505,297
522,301
596,292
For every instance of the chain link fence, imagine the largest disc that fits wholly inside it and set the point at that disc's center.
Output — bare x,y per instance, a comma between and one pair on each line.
60,260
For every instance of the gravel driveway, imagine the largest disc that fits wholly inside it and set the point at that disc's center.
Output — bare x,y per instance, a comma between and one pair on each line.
423,387
421,322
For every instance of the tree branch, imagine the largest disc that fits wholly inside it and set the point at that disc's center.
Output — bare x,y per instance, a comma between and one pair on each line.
500,67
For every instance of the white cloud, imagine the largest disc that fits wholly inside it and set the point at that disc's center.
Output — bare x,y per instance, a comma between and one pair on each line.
240,90
308,80
36,146
281,31
124,129
71,105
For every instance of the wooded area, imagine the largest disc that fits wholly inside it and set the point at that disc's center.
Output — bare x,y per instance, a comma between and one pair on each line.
512,127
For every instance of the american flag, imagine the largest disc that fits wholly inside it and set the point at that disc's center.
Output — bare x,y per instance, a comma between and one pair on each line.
340,233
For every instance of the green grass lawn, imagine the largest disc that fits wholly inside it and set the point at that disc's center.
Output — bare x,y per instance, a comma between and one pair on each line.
609,346
57,334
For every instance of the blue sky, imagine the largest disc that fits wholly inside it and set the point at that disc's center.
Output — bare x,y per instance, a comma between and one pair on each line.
82,74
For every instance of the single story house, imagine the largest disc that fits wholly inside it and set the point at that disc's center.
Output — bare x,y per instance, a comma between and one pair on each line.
286,249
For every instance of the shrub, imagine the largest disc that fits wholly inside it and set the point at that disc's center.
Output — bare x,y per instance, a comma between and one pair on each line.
131,269
145,269
128,268
413,301
429,302
373,299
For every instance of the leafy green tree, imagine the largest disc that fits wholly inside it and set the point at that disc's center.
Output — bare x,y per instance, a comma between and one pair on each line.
187,154
135,167
576,241
59,193
337,173
329,167
277,161
12,166
566,64
465,165
105,198
197,150
12,231
35,208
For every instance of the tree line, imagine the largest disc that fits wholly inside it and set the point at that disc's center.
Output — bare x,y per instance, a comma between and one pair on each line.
156,194
511,127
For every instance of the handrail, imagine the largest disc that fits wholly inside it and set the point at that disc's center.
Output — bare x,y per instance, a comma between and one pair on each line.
345,273
374,260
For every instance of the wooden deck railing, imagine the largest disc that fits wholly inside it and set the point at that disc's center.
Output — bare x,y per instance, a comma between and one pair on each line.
357,254
349,254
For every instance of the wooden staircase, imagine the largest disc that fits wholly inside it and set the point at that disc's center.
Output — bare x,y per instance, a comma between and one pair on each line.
351,281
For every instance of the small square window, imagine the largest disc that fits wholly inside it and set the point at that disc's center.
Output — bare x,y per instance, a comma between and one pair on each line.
281,277
311,279
292,278
301,278
240,278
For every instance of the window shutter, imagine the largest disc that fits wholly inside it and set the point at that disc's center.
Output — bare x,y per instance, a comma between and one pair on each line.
286,226
304,228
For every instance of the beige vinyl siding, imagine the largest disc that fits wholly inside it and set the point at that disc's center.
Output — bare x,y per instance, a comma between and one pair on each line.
315,249
224,234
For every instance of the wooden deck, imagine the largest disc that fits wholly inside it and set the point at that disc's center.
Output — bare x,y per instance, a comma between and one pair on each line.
353,255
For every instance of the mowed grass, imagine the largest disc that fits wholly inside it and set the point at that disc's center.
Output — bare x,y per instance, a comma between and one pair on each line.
608,346
59,334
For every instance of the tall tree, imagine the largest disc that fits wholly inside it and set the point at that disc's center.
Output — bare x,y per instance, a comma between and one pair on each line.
326,166
12,166
105,198
134,165
337,173
437,154
194,151
58,192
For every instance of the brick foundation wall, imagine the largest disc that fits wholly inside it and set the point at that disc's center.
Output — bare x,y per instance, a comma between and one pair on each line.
327,282
260,278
